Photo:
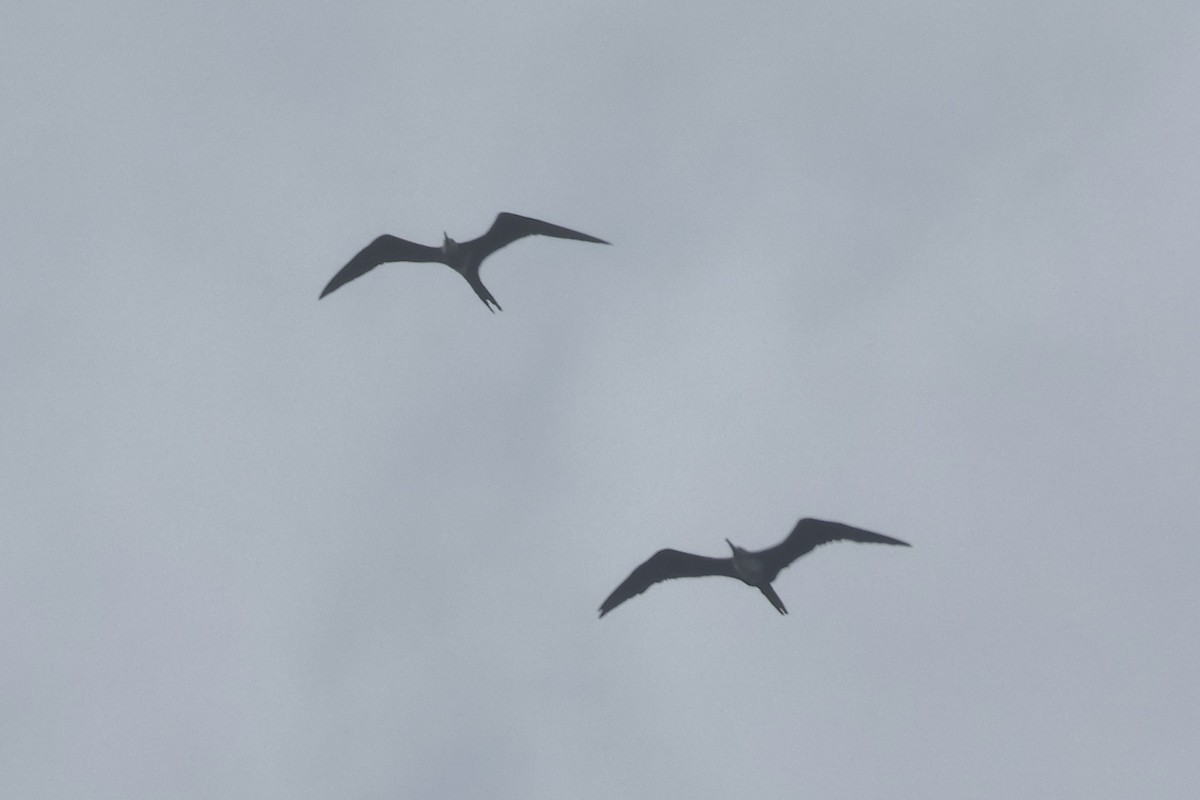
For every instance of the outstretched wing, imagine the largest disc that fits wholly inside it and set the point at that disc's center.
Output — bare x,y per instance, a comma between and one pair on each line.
509,227
384,249
663,566
808,534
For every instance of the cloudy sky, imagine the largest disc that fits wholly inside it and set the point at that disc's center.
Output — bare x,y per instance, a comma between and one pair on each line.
927,268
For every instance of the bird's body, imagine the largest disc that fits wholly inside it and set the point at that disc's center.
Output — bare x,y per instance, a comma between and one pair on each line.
754,568
464,258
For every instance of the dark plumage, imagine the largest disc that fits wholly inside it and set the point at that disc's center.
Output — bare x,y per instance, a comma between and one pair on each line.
757,569
464,258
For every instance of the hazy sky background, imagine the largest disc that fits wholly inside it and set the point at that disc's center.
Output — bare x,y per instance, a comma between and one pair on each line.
926,268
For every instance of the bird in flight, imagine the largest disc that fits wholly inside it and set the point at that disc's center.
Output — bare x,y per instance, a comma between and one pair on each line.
462,257
757,569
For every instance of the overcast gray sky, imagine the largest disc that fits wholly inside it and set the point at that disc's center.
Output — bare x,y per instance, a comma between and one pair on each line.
927,268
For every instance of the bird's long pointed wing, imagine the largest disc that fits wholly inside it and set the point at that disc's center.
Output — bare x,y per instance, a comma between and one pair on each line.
663,566
384,249
509,227
810,533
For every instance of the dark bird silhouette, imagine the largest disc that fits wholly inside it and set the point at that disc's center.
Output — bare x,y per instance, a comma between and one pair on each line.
462,257
756,569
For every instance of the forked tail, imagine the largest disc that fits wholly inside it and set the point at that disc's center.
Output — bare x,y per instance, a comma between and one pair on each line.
484,294
769,593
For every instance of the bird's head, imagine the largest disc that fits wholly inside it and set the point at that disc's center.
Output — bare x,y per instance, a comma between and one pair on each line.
448,244
734,547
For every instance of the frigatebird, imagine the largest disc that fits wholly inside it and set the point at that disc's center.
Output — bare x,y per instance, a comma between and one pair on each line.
756,569
462,257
